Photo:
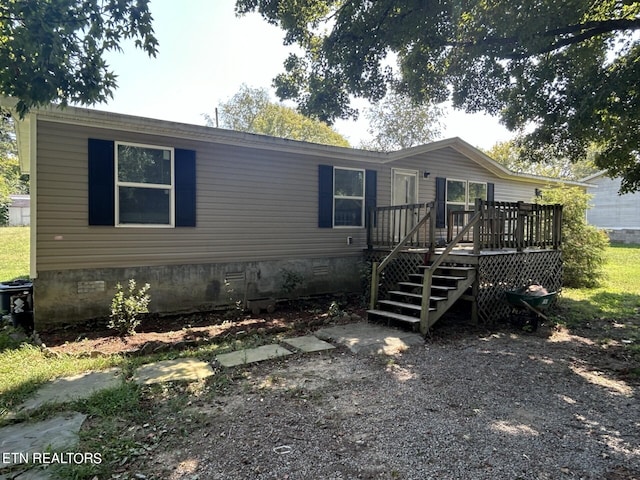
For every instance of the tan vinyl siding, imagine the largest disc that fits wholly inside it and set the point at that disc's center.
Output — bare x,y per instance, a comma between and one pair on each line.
449,163
251,205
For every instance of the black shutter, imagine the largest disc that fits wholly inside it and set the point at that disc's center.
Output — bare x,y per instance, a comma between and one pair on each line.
370,194
185,184
441,201
325,196
101,182
490,192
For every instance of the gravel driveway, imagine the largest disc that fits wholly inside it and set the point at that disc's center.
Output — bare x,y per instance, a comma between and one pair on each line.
495,406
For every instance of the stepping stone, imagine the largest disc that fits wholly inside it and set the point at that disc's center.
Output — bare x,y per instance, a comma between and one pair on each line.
32,474
242,357
180,370
69,389
368,338
308,344
23,442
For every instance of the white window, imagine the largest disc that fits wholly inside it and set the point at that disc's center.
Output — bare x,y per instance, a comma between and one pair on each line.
348,197
462,194
144,185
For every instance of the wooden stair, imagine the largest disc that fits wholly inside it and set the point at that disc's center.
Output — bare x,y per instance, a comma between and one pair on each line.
449,282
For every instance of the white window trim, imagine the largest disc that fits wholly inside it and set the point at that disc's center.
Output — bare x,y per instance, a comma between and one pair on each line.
339,197
171,188
466,191
466,195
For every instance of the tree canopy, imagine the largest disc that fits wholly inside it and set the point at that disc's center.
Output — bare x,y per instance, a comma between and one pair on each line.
251,110
53,51
565,74
397,122
509,154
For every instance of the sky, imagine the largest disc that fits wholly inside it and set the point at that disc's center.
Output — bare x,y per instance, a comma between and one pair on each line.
206,53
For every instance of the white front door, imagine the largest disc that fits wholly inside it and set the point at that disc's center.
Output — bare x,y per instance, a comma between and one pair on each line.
404,190
404,187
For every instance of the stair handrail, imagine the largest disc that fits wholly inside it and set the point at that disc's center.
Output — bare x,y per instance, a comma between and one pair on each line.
429,269
377,268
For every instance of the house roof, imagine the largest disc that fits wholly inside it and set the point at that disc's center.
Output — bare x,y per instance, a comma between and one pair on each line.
26,134
593,176
480,158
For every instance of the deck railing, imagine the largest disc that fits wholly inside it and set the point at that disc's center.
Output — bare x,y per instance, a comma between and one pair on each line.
388,226
425,221
516,225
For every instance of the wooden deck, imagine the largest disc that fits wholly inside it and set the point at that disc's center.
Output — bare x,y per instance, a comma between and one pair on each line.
501,247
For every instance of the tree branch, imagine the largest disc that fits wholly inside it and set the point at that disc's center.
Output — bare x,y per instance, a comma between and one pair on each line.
577,33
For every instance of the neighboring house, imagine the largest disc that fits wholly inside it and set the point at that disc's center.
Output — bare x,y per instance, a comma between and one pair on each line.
210,216
19,210
618,214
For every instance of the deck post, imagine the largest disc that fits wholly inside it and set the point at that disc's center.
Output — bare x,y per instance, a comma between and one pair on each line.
474,302
520,239
432,232
374,285
557,235
478,227
426,301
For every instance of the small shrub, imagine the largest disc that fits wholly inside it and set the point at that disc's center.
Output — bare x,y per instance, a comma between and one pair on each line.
4,213
290,281
127,306
583,245
236,299
10,338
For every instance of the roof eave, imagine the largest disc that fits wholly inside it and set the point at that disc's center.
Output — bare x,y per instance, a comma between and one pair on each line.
118,121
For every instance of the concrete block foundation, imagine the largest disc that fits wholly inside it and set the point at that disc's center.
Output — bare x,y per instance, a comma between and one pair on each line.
624,236
74,296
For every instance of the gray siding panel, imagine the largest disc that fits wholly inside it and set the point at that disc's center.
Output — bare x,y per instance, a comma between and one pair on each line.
610,210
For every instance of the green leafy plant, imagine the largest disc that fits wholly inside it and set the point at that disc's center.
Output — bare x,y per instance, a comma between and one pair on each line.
235,298
583,245
290,281
127,306
10,337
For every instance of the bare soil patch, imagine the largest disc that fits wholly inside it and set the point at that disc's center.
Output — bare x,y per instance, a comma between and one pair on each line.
473,402
480,404
181,331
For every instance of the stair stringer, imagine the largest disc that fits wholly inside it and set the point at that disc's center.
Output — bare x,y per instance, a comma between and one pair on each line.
452,297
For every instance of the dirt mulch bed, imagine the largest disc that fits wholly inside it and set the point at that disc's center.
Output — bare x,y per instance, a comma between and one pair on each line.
157,333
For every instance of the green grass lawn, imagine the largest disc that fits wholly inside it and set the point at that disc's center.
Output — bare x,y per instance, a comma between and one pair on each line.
14,253
617,298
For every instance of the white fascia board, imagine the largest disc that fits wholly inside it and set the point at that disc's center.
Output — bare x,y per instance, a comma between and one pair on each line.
593,176
26,140
25,129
